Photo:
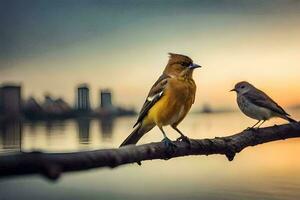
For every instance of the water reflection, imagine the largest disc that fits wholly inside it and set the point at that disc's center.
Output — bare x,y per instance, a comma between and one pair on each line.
58,135
11,135
83,130
106,127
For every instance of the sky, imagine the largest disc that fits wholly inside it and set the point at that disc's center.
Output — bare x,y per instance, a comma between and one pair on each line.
51,46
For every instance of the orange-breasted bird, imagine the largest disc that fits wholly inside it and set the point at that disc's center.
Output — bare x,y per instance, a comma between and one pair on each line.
168,101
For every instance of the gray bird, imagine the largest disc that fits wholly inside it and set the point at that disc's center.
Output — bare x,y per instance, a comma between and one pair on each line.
256,104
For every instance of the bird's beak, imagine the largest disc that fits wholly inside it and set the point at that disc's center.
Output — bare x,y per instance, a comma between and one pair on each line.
233,90
194,66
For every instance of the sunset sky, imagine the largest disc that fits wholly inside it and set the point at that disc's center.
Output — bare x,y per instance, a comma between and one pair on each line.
51,46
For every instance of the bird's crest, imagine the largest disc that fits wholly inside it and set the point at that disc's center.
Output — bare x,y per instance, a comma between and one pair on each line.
174,58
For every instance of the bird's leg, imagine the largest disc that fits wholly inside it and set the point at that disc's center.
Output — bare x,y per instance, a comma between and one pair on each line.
261,123
255,124
182,136
168,143
252,127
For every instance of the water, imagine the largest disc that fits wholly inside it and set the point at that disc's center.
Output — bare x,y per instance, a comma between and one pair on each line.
269,171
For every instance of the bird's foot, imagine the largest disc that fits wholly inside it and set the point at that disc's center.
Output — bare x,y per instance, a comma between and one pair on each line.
170,145
251,129
185,139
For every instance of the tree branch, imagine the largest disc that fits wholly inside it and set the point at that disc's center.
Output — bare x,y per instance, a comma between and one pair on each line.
52,165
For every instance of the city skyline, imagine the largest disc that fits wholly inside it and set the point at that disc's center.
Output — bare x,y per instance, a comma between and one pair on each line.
126,49
81,95
13,105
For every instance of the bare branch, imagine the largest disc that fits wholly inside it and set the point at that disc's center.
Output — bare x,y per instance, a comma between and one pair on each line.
52,165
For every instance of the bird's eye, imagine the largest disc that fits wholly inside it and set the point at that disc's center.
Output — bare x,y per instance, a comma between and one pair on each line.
242,87
184,64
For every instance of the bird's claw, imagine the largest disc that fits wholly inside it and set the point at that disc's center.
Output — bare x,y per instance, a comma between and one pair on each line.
170,145
184,139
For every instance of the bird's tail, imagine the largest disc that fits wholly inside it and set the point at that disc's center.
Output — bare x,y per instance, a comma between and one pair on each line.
289,119
136,134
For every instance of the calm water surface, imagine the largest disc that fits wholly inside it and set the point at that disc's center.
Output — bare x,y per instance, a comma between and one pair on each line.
269,171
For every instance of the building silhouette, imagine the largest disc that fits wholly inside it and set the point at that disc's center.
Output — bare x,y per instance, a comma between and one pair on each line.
10,100
106,99
83,99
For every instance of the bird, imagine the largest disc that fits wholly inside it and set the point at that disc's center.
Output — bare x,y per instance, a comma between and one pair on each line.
168,101
258,105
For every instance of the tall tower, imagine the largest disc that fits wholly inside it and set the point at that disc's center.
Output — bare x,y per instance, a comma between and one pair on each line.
83,98
10,98
106,99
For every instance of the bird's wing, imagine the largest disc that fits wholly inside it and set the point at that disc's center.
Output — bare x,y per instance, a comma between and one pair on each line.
155,93
261,99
